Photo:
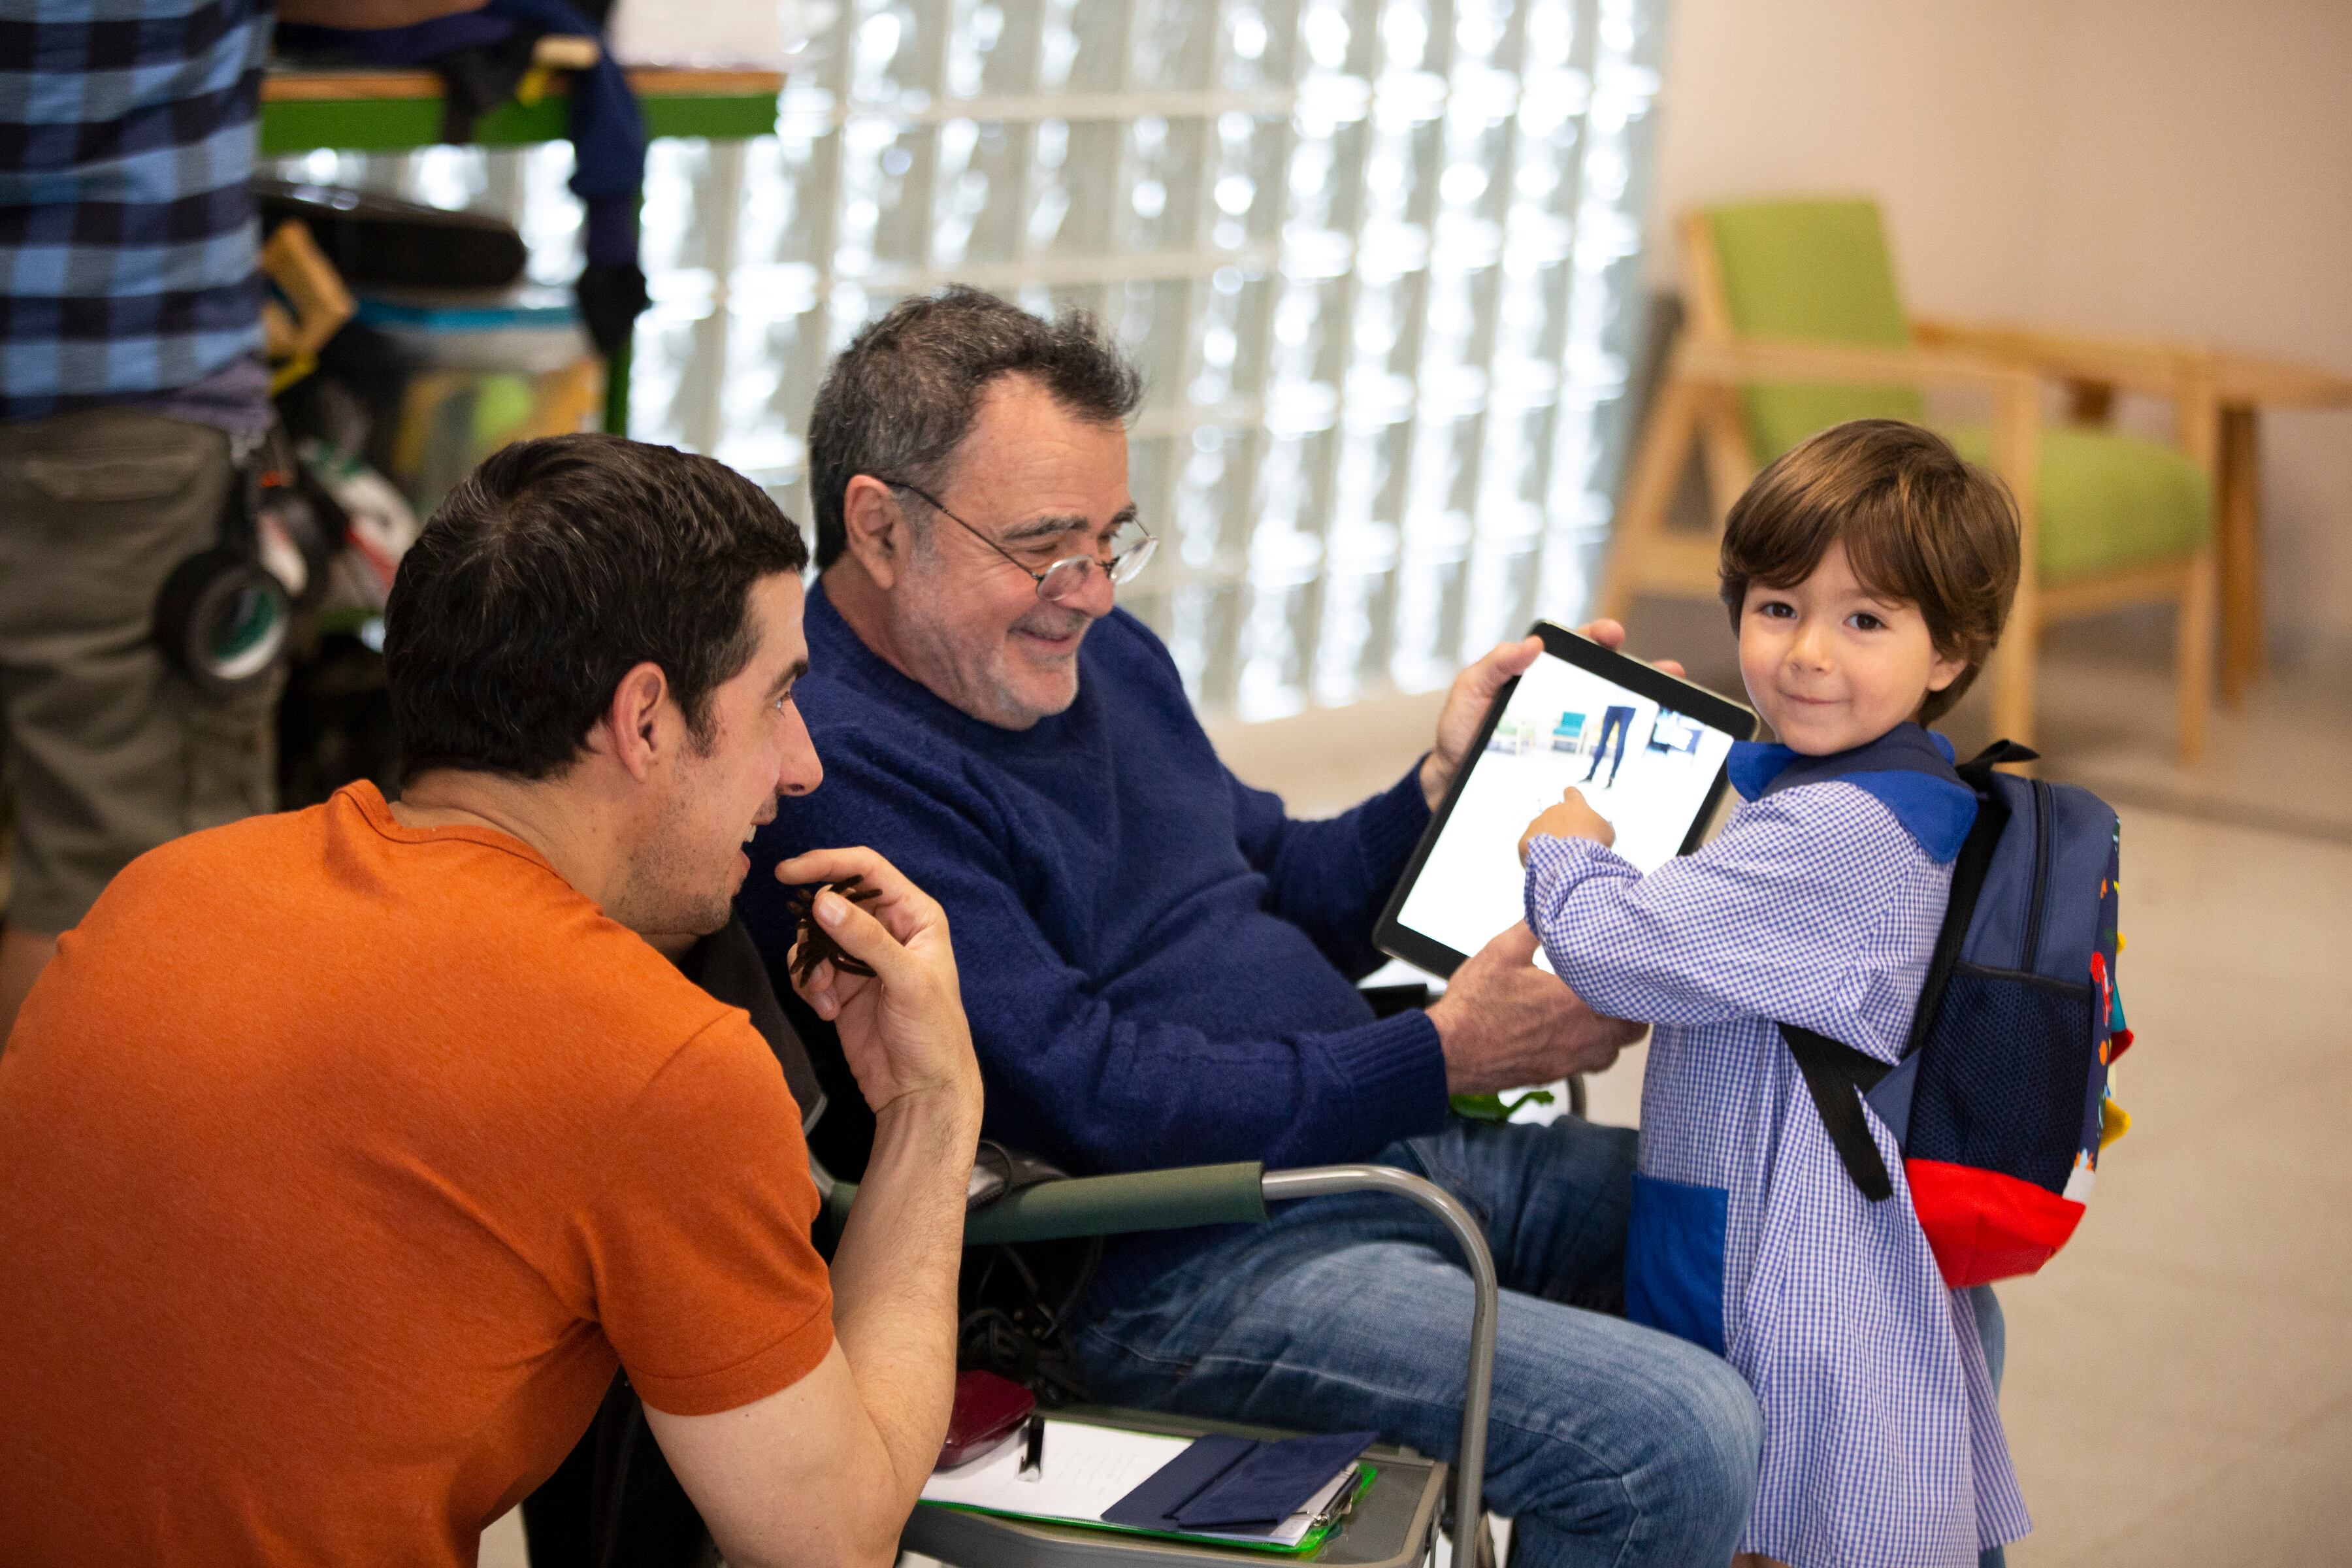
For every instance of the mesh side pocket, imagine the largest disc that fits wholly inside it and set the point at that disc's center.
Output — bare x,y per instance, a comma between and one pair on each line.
2001,1075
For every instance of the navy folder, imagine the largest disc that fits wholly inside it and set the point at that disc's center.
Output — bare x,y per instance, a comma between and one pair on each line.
1237,1484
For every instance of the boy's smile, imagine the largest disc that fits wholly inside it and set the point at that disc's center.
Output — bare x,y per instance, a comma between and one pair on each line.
1832,665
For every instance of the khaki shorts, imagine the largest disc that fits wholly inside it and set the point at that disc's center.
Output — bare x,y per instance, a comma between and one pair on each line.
106,751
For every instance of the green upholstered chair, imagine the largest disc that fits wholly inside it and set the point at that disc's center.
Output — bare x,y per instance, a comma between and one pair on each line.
1794,323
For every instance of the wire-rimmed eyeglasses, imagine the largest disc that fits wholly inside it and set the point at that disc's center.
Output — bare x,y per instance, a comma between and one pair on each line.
1066,576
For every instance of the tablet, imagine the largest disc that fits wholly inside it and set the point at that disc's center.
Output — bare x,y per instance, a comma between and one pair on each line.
1647,750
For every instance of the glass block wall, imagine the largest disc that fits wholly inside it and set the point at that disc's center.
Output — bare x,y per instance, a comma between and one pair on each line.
1379,260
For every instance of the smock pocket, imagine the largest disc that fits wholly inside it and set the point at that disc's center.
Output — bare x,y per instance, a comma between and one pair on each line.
1673,1259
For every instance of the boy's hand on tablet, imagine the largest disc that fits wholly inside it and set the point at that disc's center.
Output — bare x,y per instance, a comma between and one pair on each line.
1474,693
1571,818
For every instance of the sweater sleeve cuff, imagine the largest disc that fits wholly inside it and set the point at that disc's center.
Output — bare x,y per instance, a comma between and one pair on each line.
1391,824
1398,1075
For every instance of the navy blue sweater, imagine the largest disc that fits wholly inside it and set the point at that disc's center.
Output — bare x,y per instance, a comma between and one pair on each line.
1157,962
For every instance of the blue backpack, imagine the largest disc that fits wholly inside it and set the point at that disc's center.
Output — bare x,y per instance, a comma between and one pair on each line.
2000,1102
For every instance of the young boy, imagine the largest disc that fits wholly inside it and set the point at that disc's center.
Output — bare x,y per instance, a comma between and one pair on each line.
1868,573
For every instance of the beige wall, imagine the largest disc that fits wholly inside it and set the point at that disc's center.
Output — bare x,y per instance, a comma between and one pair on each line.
2151,166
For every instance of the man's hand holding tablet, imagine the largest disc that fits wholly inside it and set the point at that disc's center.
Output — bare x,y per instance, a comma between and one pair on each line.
1502,1021
1505,1023
1471,698
1622,751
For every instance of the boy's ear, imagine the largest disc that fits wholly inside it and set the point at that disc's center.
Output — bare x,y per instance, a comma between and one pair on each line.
1942,671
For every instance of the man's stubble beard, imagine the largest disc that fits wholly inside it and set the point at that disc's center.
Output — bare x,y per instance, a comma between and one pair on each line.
659,897
982,688
661,892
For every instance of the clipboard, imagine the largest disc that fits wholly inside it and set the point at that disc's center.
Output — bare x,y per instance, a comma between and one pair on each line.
1087,1469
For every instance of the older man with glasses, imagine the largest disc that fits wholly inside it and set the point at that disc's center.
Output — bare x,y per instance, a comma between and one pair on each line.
1158,965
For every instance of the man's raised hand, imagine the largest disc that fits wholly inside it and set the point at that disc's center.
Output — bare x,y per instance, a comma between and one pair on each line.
902,1029
1465,709
1474,692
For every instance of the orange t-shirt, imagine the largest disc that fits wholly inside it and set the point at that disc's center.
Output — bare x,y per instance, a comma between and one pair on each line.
339,1161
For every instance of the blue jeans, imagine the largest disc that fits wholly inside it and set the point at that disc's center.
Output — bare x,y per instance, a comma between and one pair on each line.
1608,1443
1614,722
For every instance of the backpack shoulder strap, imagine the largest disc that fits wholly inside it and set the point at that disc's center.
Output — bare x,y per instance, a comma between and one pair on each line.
1836,1076
1978,769
1968,869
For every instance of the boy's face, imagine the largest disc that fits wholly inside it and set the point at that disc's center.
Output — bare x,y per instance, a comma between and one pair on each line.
1832,665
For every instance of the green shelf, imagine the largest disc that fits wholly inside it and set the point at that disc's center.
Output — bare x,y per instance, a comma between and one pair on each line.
394,111
398,112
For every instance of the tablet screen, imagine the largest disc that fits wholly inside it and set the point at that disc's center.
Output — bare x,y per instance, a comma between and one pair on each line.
1647,768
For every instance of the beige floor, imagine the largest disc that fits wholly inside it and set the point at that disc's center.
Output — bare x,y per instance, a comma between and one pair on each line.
2179,1389
2180,1379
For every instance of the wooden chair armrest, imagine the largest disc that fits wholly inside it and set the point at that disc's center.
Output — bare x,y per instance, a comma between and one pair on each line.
1742,360
2144,365
2016,394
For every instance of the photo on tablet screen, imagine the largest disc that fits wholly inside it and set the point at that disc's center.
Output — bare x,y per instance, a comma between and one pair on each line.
1646,768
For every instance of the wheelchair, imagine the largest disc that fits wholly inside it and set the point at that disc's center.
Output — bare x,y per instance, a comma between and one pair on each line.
615,1505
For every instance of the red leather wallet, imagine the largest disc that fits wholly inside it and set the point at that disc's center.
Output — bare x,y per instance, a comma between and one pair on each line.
986,1407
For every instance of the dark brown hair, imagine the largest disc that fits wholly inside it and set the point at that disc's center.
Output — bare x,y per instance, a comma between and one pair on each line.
550,572
1918,522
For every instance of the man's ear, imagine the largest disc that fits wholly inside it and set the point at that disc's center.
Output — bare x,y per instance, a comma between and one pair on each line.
632,723
876,528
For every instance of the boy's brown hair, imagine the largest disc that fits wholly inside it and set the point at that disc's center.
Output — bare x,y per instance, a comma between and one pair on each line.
1919,523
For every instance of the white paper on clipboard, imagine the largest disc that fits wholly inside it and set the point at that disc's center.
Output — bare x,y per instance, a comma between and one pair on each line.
1086,1469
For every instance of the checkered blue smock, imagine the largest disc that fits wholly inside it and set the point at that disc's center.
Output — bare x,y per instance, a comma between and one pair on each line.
129,247
1817,905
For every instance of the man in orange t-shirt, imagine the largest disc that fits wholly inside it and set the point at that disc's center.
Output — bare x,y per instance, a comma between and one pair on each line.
346,1153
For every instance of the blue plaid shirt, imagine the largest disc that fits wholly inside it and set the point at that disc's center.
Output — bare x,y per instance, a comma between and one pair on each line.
128,238
1816,906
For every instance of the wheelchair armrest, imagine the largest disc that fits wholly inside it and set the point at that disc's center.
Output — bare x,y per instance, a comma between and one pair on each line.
1238,1194
1104,1206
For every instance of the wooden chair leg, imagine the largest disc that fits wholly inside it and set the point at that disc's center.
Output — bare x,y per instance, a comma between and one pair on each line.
1657,470
2236,526
1731,464
2016,453
2193,652
2012,678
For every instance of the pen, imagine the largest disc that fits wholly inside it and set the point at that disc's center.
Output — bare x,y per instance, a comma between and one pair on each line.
1033,1460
